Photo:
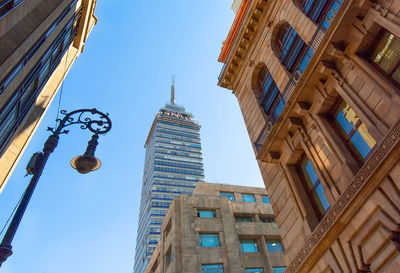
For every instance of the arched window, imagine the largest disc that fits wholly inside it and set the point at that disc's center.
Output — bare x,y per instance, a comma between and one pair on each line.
314,9
269,96
288,46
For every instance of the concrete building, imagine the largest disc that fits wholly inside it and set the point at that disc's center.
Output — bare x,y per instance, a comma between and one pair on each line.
173,165
220,228
39,41
319,88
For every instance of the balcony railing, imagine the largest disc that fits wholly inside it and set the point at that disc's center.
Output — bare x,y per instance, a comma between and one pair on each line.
301,66
7,5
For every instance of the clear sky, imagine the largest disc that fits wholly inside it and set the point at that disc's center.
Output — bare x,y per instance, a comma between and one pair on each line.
87,223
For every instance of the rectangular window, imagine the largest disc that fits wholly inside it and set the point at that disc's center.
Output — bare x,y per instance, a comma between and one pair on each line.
229,195
206,213
255,270
209,240
314,187
248,245
212,268
248,198
265,199
243,219
267,219
353,131
278,269
386,54
274,245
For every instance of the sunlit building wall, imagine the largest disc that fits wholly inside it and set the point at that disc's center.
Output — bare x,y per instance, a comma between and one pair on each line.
39,41
173,165
318,84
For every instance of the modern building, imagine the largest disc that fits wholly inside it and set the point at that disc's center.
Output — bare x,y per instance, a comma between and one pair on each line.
39,41
220,228
319,89
173,165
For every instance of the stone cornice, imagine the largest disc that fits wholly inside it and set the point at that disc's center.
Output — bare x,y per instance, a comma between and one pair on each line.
242,43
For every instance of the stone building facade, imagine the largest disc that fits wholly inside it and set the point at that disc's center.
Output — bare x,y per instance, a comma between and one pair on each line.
318,83
39,41
220,228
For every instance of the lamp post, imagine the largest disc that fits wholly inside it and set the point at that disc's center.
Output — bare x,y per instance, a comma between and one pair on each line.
98,123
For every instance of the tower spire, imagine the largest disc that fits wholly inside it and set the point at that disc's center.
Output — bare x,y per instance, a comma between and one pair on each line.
173,90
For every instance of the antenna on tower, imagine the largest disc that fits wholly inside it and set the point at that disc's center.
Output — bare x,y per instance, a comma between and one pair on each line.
173,90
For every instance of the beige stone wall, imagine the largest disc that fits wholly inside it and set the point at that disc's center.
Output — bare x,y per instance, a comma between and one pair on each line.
184,227
356,234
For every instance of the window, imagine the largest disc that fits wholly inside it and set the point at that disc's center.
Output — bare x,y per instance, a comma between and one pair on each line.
168,228
314,9
256,270
248,245
278,269
209,240
265,199
169,257
289,47
386,54
274,246
269,96
248,198
230,195
353,131
314,187
206,213
241,218
267,219
212,268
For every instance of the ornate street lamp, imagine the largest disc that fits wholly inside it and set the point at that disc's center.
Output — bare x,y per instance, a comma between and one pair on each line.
98,123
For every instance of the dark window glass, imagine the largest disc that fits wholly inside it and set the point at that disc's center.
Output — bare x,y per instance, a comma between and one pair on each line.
230,195
169,257
269,96
265,199
267,219
248,198
209,240
212,268
274,246
206,213
314,186
353,130
387,54
248,245
243,219
289,46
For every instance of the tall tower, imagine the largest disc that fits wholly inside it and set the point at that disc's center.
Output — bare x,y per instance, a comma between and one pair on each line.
173,165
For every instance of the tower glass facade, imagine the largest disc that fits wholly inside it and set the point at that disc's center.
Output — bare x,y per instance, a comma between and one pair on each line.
173,165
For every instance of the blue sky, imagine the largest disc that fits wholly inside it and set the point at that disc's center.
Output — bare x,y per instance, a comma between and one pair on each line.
87,223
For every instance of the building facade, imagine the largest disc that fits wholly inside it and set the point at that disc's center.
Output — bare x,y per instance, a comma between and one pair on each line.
220,228
173,165
39,41
319,88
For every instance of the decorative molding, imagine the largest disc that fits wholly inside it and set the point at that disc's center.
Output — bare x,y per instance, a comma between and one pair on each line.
344,201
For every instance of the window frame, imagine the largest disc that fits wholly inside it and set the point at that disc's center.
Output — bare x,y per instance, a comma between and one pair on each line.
220,268
369,57
213,211
248,195
265,196
242,248
215,235
221,193
343,136
276,241
310,190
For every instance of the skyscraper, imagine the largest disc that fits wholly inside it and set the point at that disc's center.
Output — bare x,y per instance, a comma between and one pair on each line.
173,165
39,41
